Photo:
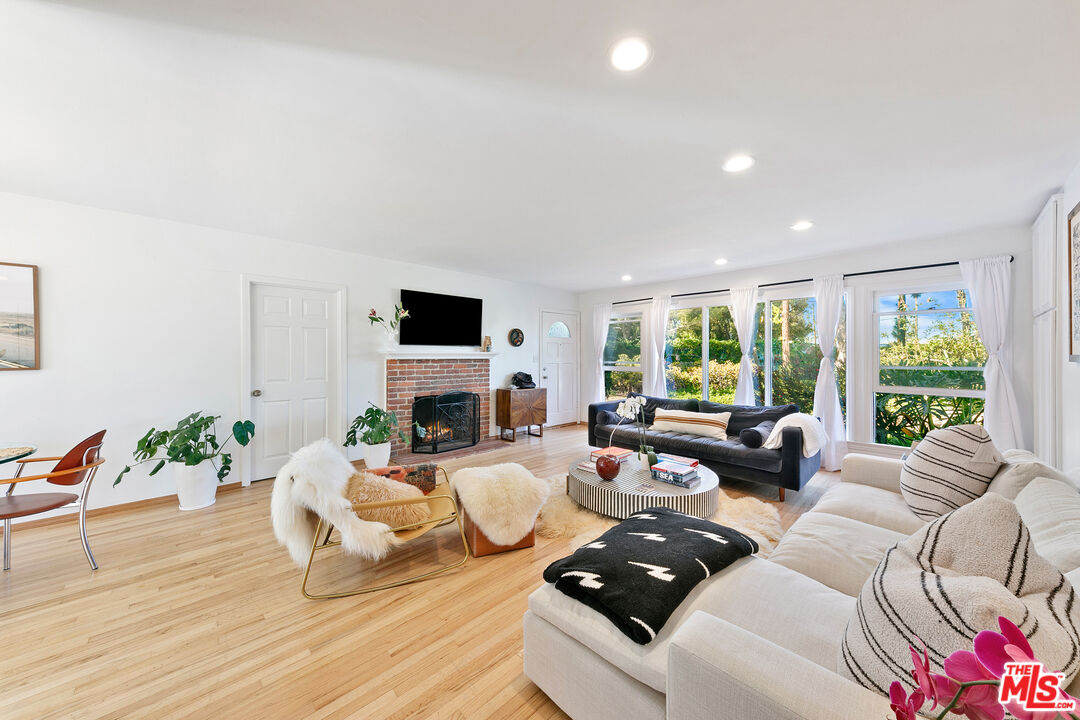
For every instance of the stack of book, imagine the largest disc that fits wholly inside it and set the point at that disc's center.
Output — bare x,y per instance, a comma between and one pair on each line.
620,454
670,471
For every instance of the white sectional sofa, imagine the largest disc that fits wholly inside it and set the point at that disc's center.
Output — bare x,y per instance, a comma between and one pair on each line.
761,638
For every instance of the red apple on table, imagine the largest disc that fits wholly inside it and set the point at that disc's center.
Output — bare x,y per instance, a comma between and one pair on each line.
607,467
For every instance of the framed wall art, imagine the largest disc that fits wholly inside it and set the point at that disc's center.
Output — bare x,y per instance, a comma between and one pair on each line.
19,321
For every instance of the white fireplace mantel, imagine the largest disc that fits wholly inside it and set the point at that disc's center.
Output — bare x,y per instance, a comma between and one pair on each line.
436,354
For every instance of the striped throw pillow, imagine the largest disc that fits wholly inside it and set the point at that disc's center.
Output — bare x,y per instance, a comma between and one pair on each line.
712,425
949,468
951,580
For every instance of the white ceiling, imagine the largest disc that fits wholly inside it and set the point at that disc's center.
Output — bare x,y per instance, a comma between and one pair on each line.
492,136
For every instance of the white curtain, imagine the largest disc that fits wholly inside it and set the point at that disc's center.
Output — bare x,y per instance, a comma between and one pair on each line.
653,338
601,320
828,299
990,283
744,313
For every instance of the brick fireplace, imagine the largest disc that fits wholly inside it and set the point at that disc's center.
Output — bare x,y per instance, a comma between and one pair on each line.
409,378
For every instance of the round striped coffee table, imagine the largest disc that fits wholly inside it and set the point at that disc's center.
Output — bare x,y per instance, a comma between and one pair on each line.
633,489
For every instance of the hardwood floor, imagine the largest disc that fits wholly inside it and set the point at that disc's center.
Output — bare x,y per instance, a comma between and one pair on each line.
199,615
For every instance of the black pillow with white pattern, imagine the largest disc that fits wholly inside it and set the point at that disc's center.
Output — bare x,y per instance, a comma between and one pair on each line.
949,468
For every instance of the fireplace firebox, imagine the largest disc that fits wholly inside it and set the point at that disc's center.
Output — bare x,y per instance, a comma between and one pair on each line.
449,421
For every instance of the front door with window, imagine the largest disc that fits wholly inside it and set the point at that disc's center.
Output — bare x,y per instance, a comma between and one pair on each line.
559,365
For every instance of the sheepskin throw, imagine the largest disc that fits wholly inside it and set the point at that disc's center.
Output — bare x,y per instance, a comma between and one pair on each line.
814,436
950,467
367,487
312,485
503,500
713,425
951,580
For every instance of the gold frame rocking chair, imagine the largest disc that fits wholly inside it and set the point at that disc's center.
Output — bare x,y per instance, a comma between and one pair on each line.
444,510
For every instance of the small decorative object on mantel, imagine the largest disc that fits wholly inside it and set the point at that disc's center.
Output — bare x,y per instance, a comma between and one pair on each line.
390,325
486,345
516,337
18,317
1073,240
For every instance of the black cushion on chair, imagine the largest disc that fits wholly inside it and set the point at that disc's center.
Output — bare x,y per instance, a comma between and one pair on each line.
756,436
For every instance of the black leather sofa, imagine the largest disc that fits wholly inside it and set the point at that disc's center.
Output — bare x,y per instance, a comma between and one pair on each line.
784,467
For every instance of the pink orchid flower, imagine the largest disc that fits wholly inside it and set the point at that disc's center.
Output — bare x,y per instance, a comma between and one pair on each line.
994,650
905,708
978,702
924,679
373,312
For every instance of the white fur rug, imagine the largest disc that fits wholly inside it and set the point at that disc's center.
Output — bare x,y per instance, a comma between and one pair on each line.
562,517
503,500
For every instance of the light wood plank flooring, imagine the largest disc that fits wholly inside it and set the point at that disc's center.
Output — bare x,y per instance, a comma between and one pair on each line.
199,615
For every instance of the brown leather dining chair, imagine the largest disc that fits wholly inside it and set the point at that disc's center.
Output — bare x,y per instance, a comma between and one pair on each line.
78,466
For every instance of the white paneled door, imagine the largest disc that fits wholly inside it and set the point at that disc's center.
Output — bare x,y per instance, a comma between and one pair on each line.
559,365
295,383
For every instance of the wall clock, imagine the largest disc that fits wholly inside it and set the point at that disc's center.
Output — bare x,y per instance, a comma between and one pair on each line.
516,337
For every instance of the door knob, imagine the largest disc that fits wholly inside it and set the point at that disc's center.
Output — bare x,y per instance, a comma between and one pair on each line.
256,393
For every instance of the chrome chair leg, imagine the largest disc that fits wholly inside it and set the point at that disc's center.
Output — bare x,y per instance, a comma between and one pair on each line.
82,521
7,544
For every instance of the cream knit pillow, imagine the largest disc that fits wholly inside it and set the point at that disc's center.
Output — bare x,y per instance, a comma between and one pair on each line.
712,425
950,467
950,580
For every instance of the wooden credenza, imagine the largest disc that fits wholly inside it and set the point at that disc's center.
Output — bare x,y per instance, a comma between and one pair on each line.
516,408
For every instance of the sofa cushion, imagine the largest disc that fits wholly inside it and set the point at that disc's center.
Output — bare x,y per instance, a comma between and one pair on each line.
711,425
651,403
950,467
745,416
1020,468
951,580
737,594
871,505
703,448
1051,510
756,436
607,417
836,551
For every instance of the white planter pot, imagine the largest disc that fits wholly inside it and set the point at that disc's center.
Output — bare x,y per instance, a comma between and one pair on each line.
376,456
196,485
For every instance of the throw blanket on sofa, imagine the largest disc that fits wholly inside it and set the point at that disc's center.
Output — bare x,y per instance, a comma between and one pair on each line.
639,571
813,432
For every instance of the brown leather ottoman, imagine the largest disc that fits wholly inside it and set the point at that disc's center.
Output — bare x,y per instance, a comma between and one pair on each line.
480,544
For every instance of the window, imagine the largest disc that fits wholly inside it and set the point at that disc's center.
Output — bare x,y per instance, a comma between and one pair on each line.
622,356
558,329
796,355
929,364
703,353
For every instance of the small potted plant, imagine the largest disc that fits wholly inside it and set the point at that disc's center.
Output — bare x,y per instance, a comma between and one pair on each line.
633,409
193,447
389,325
374,429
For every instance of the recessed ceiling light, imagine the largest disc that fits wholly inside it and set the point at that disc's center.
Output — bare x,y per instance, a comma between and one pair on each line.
802,225
738,163
626,278
721,261
630,54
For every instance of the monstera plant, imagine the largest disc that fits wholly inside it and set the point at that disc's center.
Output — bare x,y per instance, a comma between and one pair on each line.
194,447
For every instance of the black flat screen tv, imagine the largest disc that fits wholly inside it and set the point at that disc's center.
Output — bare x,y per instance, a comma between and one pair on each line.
436,319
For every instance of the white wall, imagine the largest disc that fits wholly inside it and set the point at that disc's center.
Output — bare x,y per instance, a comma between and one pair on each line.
1070,371
141,324
983,243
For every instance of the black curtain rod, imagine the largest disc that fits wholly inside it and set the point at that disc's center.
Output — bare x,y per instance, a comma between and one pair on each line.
804,280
